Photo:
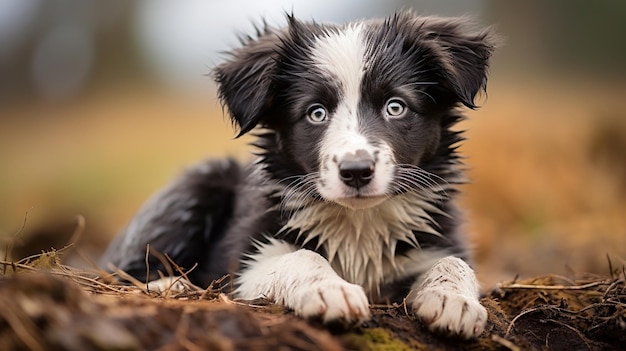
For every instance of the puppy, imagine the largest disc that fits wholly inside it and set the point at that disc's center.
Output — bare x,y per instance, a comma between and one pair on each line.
351,200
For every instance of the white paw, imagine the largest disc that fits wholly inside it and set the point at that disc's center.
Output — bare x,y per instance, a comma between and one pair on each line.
172,285
332,300
450,312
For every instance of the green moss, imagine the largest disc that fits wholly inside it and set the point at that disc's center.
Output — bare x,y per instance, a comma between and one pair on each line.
375,339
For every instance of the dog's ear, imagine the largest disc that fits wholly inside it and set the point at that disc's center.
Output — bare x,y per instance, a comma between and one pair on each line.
245,79
463,54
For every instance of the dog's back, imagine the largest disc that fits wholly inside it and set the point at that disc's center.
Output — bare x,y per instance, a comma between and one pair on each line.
203,220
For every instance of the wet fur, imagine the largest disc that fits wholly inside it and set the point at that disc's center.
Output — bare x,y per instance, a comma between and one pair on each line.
245,220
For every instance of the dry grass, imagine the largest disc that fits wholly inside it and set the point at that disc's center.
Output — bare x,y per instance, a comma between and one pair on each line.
48,305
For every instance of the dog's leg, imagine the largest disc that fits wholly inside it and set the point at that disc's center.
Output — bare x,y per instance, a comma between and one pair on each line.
304,281
446,299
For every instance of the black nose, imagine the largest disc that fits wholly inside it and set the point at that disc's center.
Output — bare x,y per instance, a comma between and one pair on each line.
356,173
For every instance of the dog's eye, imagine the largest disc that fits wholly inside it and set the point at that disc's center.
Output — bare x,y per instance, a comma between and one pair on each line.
316,113
395,108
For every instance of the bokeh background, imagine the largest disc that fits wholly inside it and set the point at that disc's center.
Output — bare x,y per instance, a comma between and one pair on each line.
103,101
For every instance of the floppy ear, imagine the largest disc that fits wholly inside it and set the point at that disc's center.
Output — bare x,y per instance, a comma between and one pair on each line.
463,53
245,79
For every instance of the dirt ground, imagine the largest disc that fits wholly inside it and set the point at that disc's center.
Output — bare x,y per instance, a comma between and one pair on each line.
49,306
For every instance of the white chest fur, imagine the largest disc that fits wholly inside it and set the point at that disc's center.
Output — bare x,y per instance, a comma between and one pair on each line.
361,243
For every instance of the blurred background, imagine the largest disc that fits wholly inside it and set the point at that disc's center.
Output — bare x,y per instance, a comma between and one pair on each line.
103,101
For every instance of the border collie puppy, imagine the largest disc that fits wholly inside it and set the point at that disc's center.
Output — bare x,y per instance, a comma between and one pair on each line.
352,198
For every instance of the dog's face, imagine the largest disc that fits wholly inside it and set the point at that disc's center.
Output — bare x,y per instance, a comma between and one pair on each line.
357,109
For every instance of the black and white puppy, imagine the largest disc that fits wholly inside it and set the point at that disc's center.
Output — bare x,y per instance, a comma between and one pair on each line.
351,200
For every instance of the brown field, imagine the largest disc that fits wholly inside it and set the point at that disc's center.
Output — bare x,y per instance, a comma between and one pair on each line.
547,164
547,199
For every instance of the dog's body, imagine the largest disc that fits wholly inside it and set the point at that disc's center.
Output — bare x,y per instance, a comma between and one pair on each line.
352,197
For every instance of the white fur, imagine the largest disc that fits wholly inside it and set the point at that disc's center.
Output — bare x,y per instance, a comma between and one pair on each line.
446,299
341,56
302,280
361,243
171,285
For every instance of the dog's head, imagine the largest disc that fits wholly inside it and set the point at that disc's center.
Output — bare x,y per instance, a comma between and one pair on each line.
351,106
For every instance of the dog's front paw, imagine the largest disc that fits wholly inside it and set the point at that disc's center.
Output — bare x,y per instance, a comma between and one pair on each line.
334,301
449,312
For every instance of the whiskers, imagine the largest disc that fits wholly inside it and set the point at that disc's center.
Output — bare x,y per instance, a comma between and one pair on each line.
414,178
299,191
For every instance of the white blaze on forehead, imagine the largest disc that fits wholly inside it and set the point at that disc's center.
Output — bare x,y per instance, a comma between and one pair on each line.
341,55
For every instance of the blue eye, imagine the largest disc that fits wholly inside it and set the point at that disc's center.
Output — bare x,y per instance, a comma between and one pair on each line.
317,113
395,108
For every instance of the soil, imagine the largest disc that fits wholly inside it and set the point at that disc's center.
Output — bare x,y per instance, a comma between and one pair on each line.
48,306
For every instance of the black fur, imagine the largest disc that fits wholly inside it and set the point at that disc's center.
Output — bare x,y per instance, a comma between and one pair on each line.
211,214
